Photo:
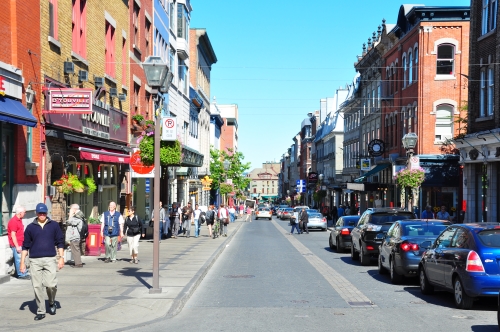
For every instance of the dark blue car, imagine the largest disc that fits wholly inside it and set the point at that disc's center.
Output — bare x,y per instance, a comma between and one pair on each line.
464,259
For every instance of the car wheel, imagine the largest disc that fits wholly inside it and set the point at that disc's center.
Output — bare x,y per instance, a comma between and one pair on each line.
425,286
462,300
354,254
364,259
338,246
395,277
330,242
269,218
381,268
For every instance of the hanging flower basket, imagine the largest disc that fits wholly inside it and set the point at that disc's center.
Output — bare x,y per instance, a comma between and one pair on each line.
170,151
410,178
68,184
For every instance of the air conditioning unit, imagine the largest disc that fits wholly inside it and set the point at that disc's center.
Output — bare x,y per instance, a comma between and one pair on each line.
113,92
122,97
69,67
83,76
99,82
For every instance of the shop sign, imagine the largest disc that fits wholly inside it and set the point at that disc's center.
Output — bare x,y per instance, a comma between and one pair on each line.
206,182
312,177
365,164
63,100
2,87
139,169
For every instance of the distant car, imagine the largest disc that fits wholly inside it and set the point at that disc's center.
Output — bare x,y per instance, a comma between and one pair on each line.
278,213
263,213
286,213
316,220
404,244
340,236
273,210
369,232
463,260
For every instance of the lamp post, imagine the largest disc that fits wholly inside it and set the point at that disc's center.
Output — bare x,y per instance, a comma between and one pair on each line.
159,78
409,143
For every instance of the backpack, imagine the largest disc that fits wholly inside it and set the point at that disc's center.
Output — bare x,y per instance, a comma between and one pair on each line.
84,233
210,215
202,218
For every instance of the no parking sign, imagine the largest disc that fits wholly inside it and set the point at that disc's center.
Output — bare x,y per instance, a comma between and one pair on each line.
169,128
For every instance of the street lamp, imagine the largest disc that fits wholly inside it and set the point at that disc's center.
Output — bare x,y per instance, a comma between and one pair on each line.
159,77
409,143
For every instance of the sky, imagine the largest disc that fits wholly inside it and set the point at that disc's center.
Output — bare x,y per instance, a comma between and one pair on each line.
276,59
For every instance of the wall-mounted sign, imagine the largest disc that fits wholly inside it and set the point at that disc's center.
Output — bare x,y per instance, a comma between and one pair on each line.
376,147
169,128
63,100
206,182
365,164
312,177
2,87
414,162
301,186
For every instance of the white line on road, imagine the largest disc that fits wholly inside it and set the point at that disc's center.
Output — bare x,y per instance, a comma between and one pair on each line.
346,290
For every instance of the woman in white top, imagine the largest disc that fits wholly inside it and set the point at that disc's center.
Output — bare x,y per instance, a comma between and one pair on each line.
196,212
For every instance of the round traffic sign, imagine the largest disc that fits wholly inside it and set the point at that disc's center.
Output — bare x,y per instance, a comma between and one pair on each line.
169,123
138,166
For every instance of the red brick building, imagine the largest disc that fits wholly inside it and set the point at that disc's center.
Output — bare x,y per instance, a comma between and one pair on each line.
424,72
20,152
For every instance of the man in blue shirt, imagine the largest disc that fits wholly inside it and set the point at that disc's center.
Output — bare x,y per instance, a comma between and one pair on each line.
41,238
427,214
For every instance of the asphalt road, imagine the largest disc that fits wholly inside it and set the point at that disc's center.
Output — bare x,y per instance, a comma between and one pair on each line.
269,280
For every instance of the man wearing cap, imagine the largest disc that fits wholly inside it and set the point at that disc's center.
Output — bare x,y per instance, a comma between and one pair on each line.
41,237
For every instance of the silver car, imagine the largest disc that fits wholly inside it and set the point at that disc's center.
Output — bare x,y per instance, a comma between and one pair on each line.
316,220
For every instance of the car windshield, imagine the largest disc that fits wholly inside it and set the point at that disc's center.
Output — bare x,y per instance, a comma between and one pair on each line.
380,219
312,210
490,237
288,210
423,229
314,215
351,221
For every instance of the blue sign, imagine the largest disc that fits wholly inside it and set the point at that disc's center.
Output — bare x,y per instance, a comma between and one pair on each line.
301,186
147,186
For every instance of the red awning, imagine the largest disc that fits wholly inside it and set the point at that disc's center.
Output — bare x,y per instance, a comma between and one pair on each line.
103,155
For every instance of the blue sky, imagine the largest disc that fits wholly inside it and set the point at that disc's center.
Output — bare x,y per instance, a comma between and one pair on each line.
277,59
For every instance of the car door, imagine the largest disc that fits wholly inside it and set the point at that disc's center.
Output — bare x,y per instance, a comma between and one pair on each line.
385,247
456,255
435,257
356,232
395,240
338,227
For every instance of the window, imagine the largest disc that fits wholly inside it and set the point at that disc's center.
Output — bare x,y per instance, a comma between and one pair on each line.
135,24
136,97
444,240
182,21
404,71
445,57
124,62
489,17
108,180
410,68
444,122
147,35
79,28
172,15
491,91
172,60
109,51
53,20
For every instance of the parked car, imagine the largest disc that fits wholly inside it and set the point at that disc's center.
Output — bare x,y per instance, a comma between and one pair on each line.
369,232
404,244
316,220
263,213
278,212
286,213
463,260
340,236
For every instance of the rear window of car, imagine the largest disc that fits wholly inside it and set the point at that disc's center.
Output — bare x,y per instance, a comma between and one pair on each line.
351,221
264,209
423,230
314,215
288,210
490,237
380,218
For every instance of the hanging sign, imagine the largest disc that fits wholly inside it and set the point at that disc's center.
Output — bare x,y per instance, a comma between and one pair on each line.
63,100
365,164
168,128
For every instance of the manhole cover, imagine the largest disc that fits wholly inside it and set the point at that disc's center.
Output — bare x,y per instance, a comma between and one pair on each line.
240,276
299,301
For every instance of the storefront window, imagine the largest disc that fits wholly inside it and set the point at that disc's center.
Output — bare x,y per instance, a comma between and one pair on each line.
107,181
6,166
84,200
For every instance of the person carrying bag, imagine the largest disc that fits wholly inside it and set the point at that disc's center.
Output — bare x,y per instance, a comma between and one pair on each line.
133,229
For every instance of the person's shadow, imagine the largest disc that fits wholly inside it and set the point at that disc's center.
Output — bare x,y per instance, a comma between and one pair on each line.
33,307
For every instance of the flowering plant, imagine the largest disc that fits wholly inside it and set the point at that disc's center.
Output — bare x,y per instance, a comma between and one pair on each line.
288,200
412,178
436,209
298,197
68,184
90,184
170,151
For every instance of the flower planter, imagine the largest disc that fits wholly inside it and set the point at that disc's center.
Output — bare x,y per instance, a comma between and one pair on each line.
59,189
79,190
93,241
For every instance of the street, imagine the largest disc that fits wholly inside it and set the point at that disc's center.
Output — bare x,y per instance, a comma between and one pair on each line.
269,280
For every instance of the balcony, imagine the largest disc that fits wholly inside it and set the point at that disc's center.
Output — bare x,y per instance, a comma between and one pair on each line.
182,48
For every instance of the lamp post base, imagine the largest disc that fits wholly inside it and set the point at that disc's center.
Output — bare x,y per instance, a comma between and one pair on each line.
154,290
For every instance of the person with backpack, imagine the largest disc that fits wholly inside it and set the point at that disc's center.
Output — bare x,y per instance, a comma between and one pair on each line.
76,231
223,219
210,217
133,229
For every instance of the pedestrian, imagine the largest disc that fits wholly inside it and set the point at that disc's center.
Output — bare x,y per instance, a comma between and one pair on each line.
15,231
334,214
347,210
174,220
427,213
295,225
73,233
304,219
242,209
443,214
132,228
340,211
249,214
232,213
223,219
41,239
210,219
197,225
163,219
111,227
187,219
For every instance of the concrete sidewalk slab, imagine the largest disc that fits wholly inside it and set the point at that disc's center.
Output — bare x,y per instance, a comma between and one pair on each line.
115,296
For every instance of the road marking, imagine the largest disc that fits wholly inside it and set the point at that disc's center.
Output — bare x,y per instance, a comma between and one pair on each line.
353,296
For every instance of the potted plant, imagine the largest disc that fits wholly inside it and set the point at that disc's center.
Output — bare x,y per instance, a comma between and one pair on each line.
411,178
75,183
90,184
63,186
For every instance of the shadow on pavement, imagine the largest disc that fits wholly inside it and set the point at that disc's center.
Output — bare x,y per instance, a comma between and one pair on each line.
484,328
348,260
134,272
387,279
31,306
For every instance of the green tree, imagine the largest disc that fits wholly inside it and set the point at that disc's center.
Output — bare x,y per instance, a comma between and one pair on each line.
235,171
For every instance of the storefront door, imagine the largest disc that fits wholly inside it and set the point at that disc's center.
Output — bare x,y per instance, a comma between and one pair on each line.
6,174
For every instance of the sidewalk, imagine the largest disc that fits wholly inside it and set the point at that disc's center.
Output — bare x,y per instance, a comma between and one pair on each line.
115,296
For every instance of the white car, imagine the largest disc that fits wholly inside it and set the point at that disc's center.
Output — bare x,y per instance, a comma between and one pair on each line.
263,213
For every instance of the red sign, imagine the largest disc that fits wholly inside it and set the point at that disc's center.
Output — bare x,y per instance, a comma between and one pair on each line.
62,100
2,88
138,166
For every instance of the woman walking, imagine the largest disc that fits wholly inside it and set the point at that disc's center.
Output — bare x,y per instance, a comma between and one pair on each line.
75,223
249,214
210,219
133,230
232,213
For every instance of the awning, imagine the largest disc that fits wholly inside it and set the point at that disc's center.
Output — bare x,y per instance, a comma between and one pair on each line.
13,111
88,153
183,171
373,171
